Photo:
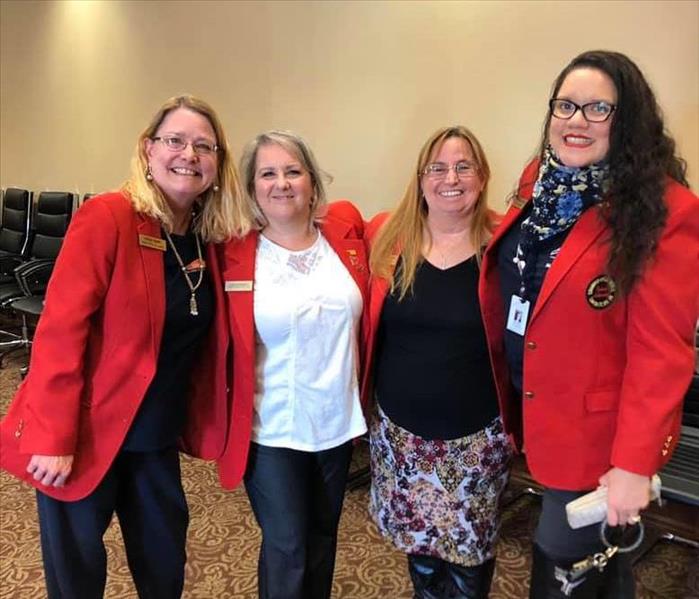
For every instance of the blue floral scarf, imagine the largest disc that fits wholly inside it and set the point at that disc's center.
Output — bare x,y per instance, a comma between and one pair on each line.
561,194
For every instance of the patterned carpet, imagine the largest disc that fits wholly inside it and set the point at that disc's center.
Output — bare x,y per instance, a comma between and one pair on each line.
224,540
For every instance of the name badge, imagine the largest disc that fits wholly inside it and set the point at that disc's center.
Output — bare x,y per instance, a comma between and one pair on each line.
238,286
154,243
519,313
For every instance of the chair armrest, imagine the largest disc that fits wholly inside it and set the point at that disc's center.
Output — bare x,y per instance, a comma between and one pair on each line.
9,263
33,276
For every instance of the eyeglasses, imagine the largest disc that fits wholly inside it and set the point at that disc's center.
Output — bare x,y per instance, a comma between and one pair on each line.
439,170
174,143
594,112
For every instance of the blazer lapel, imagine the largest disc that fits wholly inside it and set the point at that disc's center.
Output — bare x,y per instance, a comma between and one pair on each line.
512,214
584,233
214,267
154,276
239,273
351,251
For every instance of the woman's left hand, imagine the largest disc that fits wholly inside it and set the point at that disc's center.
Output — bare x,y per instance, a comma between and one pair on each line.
627,494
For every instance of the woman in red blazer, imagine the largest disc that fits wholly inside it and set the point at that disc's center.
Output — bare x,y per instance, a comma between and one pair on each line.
128,358
296,285
590,297
439,456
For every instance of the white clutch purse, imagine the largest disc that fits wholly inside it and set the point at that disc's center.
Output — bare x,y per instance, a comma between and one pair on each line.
592,507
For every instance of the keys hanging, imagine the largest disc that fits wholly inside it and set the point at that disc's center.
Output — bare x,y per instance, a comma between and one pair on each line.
575,576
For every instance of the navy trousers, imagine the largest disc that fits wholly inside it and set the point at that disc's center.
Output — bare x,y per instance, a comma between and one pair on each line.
297,500
144,489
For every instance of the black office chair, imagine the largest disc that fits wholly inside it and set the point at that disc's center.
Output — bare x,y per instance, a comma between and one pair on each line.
14,233
25,296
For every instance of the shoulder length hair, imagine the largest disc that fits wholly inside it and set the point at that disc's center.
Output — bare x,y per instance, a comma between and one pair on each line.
299,149
641,157
406,228
221,213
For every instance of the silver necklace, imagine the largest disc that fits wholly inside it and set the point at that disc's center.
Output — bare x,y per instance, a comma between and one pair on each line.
193,307
448,253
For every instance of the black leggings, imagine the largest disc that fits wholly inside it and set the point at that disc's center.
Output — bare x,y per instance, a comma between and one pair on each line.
557,547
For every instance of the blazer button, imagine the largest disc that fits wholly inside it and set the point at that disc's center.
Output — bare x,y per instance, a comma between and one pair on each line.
529,395
531,345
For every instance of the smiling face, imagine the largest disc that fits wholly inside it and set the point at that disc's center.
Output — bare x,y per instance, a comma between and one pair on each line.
283,187
182,175
451,194
575,141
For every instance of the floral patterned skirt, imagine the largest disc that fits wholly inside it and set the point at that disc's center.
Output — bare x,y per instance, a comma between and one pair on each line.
438,498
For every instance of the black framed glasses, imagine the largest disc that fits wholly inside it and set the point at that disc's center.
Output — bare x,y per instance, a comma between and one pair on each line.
439,170
175,143
594,112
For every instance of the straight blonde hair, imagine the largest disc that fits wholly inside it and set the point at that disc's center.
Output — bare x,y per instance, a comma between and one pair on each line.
297,147
221,214
406,230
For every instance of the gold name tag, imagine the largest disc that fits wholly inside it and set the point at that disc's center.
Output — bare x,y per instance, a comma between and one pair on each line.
154,243
238,285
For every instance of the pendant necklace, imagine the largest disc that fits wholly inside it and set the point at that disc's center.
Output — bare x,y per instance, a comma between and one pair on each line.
193,308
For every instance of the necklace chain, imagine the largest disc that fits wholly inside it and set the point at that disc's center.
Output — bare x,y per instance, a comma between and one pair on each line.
193,307
450,250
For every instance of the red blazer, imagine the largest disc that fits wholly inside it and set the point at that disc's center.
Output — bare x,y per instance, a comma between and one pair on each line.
343,227
96,349
604,374
378,289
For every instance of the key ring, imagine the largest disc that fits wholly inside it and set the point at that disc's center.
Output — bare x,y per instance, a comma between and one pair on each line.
603,537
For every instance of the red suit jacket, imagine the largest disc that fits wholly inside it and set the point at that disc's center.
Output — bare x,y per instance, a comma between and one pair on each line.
343,228
604,374
378,289
96,349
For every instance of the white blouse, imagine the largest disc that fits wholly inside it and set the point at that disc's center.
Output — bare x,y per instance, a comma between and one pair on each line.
307,313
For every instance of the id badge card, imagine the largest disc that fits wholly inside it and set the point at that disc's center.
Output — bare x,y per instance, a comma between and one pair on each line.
518,315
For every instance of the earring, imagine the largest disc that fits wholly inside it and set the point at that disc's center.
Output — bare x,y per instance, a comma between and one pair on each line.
215,187
149,174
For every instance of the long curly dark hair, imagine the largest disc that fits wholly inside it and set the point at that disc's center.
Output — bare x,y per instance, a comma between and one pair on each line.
641,157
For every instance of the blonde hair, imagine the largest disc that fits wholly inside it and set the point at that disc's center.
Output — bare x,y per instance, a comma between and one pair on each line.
406,228
221,213
297,147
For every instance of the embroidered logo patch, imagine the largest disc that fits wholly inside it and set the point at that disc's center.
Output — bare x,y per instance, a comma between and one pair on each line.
601,292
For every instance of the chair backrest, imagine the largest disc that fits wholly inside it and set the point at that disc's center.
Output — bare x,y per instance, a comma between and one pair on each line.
53,212
16,220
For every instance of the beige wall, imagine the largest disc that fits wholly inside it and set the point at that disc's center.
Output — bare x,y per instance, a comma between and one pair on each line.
364,82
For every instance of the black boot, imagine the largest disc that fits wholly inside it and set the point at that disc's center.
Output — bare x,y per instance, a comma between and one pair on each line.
619,582
428,575
471,582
